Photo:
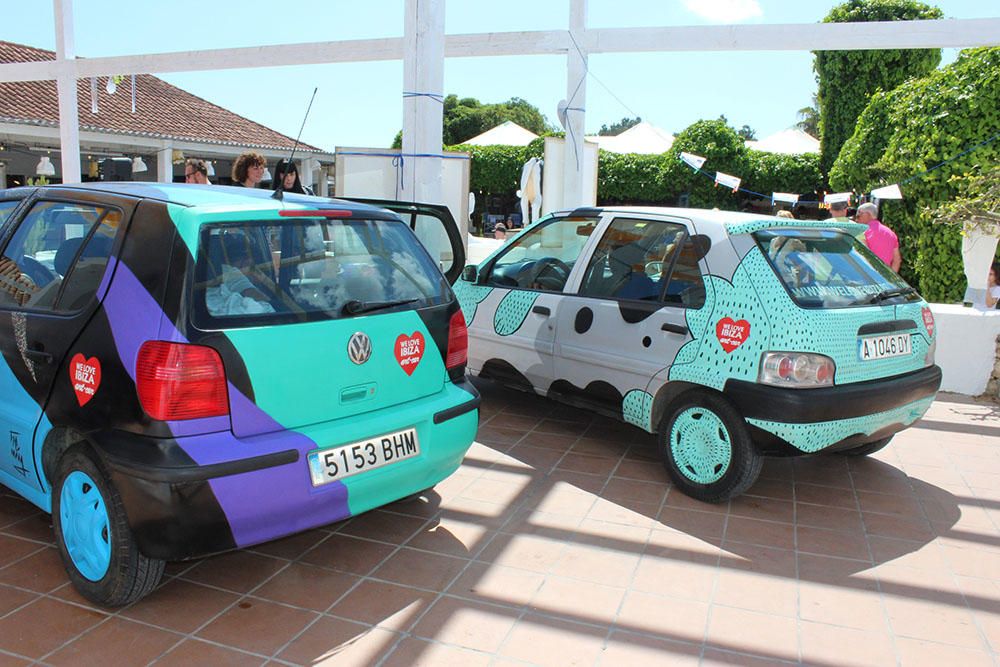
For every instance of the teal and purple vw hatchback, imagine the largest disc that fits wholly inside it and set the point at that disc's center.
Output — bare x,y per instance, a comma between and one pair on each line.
188,370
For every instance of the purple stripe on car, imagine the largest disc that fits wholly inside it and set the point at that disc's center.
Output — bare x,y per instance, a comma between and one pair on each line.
260,505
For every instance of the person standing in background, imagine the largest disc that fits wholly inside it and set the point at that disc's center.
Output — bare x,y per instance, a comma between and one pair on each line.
248,170
196,171
882,240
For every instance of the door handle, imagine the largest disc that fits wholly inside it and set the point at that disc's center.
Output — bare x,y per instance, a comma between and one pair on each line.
541,310
41,356
675,328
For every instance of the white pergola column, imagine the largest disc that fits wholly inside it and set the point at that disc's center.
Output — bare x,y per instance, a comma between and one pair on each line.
165,164
576,98
423,116
69,120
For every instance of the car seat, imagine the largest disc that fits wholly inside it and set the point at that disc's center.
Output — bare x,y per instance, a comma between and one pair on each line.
628,274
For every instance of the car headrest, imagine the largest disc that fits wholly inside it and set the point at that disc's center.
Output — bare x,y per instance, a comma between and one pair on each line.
65,254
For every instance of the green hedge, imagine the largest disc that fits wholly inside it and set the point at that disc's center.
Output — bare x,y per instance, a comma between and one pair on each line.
848,78
911,129
633,178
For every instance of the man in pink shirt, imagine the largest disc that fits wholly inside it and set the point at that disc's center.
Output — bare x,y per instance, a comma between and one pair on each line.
880,239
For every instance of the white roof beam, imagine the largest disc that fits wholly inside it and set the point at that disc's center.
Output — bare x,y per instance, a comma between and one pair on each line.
943,33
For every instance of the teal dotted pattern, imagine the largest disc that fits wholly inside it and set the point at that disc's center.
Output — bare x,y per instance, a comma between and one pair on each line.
704,361
469,297
817,436
512,310
637,409
734,229
832,331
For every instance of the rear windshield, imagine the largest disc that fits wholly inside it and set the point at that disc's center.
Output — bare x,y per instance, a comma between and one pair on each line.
830,269
274,272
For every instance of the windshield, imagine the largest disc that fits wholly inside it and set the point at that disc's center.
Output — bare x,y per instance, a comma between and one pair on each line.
830,269
254,273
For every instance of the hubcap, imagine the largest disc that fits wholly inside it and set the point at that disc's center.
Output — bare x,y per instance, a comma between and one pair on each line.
700,445
86,530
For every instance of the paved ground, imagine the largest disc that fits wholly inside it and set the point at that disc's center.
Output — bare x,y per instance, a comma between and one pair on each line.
560,542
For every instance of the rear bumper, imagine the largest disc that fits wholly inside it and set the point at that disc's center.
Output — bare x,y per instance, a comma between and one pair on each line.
838,417
803,406
181,505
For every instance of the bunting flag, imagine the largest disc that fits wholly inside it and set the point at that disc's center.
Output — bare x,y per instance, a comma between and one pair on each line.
695,161
727,180
834,197
888,192
784,196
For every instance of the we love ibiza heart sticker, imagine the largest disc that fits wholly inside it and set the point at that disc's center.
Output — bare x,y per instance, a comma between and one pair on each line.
85,374
409,351
731,333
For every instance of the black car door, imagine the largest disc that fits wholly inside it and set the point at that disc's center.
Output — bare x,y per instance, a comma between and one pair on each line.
54,270
435,226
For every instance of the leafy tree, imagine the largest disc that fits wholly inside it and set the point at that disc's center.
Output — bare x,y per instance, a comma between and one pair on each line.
617,128
747,133
809,118
848,79
918,133
467,117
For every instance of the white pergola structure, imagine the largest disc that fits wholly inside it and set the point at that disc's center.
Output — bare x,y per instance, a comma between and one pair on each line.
424,46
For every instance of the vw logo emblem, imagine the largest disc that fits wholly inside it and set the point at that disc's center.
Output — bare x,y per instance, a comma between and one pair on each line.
359,348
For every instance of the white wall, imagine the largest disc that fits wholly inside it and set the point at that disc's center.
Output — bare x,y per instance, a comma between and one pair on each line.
966,347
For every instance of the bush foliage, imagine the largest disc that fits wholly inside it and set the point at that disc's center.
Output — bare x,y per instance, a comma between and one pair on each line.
847,79
661,179
914,128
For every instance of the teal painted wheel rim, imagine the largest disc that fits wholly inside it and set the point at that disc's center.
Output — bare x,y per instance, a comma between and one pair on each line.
700,445
86,529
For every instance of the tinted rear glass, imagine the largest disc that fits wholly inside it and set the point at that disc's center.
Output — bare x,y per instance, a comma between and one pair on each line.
274,272
830,269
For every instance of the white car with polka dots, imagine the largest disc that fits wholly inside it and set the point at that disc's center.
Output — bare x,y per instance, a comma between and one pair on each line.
731,336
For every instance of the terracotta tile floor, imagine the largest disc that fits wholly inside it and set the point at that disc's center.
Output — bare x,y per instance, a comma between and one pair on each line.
560,542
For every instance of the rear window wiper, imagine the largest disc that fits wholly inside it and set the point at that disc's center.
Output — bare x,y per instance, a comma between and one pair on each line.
355,307
889,293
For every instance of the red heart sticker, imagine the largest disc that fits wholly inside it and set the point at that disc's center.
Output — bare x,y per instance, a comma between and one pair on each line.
409,351
732,334
928,320
85,374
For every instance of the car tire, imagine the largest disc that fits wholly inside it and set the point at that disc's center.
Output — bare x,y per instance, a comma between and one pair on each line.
92,533
707,448
867,448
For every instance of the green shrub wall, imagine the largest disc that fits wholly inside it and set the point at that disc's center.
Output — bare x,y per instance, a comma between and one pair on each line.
633,178
911,129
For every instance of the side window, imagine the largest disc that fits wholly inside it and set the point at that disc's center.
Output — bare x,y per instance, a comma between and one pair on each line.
543,257
432,234
686,286
634,259
56,258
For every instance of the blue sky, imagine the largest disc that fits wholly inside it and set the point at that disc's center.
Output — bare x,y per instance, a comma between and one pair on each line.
360,104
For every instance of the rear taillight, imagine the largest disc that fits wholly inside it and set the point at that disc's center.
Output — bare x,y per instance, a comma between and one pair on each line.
177,381
799,370
458,342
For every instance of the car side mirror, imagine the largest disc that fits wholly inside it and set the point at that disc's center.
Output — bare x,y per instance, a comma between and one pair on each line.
470,273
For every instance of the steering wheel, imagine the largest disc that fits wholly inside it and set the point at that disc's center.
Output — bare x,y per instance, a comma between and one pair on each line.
550,274
38,272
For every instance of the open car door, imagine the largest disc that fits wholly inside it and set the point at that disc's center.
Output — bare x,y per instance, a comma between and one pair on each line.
436,229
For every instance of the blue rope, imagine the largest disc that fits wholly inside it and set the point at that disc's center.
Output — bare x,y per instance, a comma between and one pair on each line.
952,159
437,97
394,155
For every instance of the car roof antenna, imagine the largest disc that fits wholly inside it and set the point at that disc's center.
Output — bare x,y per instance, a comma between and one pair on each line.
279,192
